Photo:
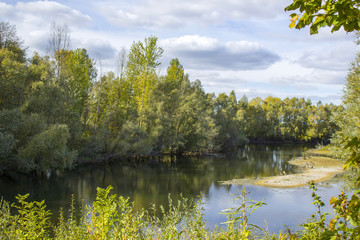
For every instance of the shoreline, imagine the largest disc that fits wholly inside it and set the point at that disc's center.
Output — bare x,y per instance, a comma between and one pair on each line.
313,168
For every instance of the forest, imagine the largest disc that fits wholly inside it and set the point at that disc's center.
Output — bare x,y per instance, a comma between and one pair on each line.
58,111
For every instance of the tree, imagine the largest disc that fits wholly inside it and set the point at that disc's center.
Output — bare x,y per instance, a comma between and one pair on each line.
230,133
321,13
272,107
295,118
10,41
48,150
180,118
347,138
121,63
13,80
82,72
140,70
13,68
59,43
253,119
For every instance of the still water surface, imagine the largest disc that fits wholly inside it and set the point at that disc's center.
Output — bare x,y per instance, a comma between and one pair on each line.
146,184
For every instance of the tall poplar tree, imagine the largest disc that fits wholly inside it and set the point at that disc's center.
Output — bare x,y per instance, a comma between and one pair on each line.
141,71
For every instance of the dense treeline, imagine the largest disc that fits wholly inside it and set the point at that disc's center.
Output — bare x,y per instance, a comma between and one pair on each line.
57,110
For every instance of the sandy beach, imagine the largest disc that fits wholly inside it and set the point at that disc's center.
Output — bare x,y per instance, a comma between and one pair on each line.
314,168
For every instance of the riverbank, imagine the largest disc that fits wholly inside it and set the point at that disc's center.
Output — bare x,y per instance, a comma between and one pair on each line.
313,168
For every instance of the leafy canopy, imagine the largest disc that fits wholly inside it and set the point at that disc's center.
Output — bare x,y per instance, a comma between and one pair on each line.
322,13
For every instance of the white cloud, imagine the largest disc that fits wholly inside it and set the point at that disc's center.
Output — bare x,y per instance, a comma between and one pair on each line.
283,79
33,20
173,13
5,10
244,46
100,49
191,43
198,52
53,11
337,58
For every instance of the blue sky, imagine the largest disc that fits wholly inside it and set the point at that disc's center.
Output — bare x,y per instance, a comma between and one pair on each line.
244,46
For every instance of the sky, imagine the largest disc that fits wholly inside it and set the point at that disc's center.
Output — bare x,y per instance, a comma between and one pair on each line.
245,46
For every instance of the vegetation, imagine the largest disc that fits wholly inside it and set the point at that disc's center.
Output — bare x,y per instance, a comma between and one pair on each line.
346,142
112,217
317,14
55,111
53,114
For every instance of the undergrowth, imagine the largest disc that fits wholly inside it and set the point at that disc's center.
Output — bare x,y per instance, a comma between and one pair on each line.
112,217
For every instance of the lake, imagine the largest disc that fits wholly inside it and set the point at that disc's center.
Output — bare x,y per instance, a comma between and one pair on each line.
151,183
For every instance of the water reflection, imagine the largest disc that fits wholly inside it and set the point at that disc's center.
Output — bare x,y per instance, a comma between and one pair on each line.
151,183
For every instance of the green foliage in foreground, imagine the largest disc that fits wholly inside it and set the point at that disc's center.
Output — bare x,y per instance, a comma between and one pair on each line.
317,14
112,217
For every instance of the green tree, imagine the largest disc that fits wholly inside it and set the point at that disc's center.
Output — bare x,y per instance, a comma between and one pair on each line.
13,68
163,117
10,41
50,100
318,13
141,71
181,115
295,118
16,130
272,107
48,150
13,80
254,119
230,133
347,138
82,72
100,101
320,123
7,146
122,106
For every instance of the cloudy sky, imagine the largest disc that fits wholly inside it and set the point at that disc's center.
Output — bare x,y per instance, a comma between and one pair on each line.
241,45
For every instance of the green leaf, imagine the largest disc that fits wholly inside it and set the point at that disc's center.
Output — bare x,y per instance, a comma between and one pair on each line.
353,142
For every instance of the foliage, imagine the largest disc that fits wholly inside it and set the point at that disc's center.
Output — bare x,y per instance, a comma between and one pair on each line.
137,113
318,13
112,217
238,226
140,71
315,227
346,223
7,145
346,142
13,80
31,222
294,119
230,133
132,141
10,41
47,150
82,71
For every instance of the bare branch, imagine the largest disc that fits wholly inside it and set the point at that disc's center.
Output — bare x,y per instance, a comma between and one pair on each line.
59,38
121,63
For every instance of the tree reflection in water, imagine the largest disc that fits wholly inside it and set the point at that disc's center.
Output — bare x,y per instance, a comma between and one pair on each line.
148,184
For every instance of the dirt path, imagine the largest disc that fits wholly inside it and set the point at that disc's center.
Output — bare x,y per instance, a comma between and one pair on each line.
315,169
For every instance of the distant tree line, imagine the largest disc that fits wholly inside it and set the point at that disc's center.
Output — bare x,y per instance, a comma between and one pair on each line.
57,111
